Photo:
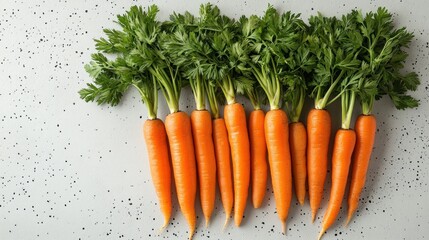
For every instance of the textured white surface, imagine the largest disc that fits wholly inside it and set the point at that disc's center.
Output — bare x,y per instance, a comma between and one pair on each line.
72,170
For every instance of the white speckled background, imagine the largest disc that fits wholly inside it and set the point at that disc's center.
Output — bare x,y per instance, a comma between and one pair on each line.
72,170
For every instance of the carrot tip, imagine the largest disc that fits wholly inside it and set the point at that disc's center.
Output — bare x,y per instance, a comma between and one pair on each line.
237,221
191,234
207,222
349,217
226,222
313,216
301,202
321,234
284,227
163,227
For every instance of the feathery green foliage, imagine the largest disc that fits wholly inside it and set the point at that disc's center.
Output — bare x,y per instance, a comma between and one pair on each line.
112,78
268,58
270,42
382,49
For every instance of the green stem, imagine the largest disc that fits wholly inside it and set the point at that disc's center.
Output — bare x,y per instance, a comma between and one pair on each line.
228,89
253,97
270,84
198,90
296,110
322,103
169,88
349,108
149,96
211,96
155,95
367,106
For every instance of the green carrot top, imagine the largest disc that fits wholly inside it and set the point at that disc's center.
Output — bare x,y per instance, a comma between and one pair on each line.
382,46
271,41
112,78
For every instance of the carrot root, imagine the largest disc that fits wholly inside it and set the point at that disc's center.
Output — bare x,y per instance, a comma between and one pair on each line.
258,157
344,144
201,123
159,162
223,163
318,133
235,120
298,147
365,127
178,126
277,137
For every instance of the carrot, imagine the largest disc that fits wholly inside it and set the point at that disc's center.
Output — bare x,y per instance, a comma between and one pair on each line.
298,148
223,163
344,144
365,128
179,134
258,146
202,134
159,162
373,86
222,151
318,131
235,121
277,137
176,45
258,156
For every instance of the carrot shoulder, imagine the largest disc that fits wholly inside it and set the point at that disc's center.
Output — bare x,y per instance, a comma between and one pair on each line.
159,163
277,137
223,162
258,157
201,123
318,132
235,120
345,140
178,126
298,148
365,128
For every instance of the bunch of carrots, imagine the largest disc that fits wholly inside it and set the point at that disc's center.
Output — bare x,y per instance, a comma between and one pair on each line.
275,59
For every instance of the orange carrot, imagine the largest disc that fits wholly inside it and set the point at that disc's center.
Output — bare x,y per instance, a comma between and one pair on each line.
223,161
258,156
298,148
235,120
277,137
318,132
365,128
201,123
344,144
159,162
178,126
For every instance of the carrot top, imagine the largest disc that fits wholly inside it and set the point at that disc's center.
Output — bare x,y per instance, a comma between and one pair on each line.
221,60
112,78
270,41
334,43
297,75
147,53
184,44
383,51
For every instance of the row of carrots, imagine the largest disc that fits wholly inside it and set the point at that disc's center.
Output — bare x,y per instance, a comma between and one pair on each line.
274,59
